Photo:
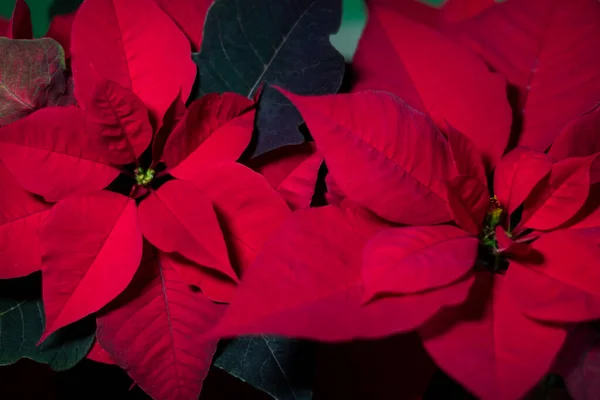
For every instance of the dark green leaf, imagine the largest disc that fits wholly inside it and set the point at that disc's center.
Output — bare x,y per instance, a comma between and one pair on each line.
285,43
22,324
283,368
277,123
32,76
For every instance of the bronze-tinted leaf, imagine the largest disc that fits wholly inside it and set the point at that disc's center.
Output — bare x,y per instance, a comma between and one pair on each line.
32,75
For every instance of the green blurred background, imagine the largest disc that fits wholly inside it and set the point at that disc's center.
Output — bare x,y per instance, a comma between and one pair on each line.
345,41
41,11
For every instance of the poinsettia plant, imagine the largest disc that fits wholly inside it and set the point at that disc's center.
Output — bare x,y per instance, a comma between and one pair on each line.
463,201
195,176
119,144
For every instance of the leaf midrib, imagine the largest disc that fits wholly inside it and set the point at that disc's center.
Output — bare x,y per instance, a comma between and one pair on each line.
277,50
17,98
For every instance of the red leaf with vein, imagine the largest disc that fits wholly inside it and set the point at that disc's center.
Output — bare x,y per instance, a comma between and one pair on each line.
19,25
98,354
117,123
60,30
189,17
216,286
21,215
565,286
464,93
178,217
488,346
517,174
153,332
47,153
248,209
558,198
216,127
468,200
306,283
580,138
91,248
467,158
548,50
460,10
148,55
415,259
292,171
367,140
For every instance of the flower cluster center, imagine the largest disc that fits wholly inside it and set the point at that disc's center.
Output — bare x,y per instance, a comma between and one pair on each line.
492,220
143,177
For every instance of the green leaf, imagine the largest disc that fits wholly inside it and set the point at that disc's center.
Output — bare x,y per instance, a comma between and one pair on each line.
283,368
248,44
280,42
22,323
32,76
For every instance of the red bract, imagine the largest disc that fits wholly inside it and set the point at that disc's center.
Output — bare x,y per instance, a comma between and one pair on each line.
248,210
98,354
548,55
580,139
21,215
60,30
170,219
165,357
118,120
390,259
214,128
306,283
292,171
463,93
150,55
461,10
19,25
488,345
189,17
91,248
54,147
376,152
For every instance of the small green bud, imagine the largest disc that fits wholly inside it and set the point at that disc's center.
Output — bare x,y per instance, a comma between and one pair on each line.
144,177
